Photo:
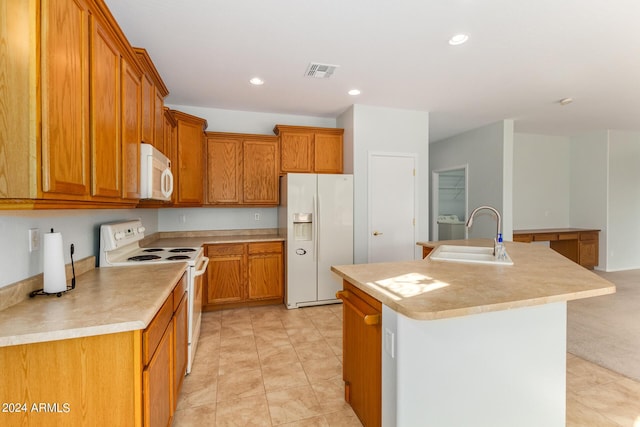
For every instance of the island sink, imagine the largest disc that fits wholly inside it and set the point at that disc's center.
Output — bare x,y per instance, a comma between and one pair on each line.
469,254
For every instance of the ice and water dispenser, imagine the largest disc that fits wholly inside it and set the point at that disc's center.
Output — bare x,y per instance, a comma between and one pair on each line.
302,226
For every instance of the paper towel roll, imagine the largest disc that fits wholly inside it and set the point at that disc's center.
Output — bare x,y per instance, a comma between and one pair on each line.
55,279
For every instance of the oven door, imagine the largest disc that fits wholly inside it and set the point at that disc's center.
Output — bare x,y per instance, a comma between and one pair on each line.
195,306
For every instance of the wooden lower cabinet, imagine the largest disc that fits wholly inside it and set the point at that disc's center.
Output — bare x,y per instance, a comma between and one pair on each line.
120,379
244,274
362,357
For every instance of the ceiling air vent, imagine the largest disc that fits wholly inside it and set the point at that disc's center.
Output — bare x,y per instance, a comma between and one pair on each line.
320,71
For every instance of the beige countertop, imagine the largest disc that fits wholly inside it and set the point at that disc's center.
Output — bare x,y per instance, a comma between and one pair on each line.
199,238
429,289
105,300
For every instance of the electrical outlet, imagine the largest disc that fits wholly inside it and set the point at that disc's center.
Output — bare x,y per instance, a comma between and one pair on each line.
34,239
256,216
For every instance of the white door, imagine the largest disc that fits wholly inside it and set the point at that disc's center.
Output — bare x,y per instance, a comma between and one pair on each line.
391,207
335,230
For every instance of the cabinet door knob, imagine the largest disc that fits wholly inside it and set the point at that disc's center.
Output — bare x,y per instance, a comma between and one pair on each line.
377,233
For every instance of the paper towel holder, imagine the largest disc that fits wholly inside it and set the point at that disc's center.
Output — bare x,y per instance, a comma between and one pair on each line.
73,280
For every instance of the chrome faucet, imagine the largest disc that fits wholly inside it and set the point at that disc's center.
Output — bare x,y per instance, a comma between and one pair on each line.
498,228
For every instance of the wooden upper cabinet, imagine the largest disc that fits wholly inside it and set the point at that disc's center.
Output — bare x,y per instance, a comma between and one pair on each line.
65,98
310,149
130,131
242,169
224,170
260,183
153,93
189,170
170,141
296,153
147,112
105,114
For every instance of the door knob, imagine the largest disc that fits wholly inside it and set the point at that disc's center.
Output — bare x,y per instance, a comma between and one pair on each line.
377,233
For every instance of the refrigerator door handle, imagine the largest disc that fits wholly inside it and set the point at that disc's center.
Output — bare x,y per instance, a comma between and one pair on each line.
316,227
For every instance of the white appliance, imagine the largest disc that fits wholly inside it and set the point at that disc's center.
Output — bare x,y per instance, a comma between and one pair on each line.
119,246
156,179
316,216
451,228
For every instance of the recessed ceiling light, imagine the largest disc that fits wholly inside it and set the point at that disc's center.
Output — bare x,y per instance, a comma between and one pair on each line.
458,39
565,101
256,81
354,92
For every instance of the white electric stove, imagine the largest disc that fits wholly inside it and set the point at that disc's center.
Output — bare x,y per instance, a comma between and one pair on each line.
120,246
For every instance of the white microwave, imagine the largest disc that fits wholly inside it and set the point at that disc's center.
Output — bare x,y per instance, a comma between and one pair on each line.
156,179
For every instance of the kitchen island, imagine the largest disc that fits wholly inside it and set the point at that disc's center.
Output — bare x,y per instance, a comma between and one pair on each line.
468,344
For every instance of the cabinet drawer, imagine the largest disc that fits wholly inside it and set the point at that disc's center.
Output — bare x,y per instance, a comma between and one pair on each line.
265,247
545,237
225,249
179,291
568,236
525,238
588,236
153,334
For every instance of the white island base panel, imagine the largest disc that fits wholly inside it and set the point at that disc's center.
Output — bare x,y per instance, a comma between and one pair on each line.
502,368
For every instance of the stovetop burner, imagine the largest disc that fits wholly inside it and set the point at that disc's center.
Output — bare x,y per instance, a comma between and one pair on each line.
177,257
143,258
178,250
153,250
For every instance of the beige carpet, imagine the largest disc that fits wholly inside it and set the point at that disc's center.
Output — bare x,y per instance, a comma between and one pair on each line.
606,330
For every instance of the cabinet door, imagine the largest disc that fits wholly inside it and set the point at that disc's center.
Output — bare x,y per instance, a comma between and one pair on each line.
327,153
296,150
226,273
180,340
130,132
265,271
224,170
260,172
147,114
156,379
158,122
105,114
362,360
65,98
190,168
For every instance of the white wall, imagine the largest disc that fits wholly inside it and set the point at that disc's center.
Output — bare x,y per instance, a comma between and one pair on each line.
80,227
541,176
486,150
388,130
623,222
219,120
588,186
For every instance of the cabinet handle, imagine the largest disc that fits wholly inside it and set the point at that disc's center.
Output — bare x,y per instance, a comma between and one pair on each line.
377,233
369,319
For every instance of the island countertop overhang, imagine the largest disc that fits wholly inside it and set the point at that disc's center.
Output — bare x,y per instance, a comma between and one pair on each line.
428,289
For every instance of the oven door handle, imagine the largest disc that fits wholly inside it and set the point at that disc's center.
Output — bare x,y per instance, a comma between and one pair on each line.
201,271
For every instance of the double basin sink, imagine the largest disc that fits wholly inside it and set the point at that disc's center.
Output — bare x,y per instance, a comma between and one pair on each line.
469,254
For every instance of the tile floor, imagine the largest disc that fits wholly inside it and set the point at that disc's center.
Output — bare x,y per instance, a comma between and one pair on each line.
269,366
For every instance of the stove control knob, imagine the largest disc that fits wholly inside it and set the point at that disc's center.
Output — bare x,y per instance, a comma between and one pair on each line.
141,229
118,235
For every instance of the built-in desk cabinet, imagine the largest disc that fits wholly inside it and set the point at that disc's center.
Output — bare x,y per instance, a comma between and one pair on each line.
579,245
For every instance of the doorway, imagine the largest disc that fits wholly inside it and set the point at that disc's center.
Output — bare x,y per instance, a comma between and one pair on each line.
392,207
450,203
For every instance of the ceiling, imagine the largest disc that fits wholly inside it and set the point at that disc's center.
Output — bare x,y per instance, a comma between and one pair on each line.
522,57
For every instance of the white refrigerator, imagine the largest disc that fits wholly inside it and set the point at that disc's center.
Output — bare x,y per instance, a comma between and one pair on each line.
316,216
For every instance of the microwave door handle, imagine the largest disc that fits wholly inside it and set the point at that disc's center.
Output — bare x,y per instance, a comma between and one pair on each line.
166,183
